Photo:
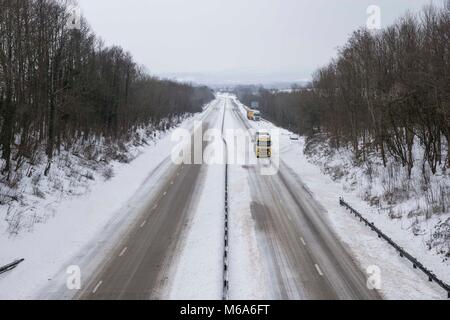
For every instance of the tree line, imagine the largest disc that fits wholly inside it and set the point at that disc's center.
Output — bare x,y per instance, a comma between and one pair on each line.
60,86
382,94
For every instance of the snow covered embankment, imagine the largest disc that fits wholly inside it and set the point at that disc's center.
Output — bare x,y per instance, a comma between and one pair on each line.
420,204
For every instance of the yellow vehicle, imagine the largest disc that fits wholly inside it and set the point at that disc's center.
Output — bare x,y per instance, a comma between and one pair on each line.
263,143
253,115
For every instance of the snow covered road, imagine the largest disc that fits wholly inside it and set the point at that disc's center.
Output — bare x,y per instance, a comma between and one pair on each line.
302,257
167,241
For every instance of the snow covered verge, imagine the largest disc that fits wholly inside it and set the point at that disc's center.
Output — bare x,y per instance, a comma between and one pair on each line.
420,205
398,279
83,203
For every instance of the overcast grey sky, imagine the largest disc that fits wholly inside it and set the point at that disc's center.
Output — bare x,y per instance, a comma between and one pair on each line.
235,40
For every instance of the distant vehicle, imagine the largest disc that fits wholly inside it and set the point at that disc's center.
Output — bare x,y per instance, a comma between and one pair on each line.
255,105
295,137
263,143
253,115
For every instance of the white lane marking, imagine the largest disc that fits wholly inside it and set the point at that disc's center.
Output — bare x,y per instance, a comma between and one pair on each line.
96,287
318,270
303,241
165,193
123,251
155,206
143,223
171,182
289,217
